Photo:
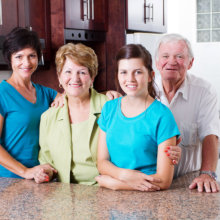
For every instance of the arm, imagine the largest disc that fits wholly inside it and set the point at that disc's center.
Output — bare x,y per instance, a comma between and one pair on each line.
119,178
45,174
13,165
209,163
165,168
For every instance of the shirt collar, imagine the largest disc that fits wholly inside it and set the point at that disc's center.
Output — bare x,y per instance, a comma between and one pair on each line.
183,89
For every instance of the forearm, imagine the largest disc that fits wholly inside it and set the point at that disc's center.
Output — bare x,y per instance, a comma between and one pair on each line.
105,167
112,183
209,153
7,161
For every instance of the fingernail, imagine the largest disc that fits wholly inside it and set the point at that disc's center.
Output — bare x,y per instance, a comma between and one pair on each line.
168,147
168,154
166,151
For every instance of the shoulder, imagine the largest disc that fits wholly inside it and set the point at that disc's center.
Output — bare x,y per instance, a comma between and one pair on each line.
199,84
97,101
159,110
98,97
112,104
3,86
51,114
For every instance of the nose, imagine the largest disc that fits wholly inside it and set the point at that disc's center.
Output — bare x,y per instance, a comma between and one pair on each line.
75,76
172,60
130,77
26,61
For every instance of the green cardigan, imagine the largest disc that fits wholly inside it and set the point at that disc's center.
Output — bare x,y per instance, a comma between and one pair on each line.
55,136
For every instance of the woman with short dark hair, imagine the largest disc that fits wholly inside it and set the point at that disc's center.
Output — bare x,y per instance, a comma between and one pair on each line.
21,104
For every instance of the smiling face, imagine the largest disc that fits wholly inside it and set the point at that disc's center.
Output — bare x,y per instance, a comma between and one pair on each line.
133,77
173,61
75,79
24,62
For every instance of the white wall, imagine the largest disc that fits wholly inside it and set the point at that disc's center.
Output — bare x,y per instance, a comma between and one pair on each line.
181,18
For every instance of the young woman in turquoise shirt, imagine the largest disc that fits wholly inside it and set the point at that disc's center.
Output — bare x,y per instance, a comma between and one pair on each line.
135,129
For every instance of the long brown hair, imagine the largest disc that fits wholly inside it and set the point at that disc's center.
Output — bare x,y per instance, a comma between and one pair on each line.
136,51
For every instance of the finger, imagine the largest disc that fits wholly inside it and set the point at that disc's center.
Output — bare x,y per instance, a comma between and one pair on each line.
175,162
217,186
213,187
151,186
193,185
207,186
200,186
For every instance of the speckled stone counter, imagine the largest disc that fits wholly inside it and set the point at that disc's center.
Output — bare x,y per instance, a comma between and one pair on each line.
24,199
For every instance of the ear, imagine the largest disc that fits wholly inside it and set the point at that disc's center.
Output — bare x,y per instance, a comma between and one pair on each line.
190,64
150,78
92,80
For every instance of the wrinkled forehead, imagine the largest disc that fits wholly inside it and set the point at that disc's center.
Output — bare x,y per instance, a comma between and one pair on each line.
173,46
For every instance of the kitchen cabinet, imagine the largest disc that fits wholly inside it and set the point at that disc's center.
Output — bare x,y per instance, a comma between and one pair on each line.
86,14
8,16
146,15
32,14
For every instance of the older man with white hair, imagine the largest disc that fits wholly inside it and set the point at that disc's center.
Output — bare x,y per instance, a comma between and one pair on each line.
193,102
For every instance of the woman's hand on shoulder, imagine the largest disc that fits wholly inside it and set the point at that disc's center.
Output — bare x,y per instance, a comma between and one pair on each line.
138,180
59,100
111,94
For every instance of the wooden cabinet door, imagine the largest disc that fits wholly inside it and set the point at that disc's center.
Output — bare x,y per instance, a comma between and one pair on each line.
38,19
86,14
8,16
146,15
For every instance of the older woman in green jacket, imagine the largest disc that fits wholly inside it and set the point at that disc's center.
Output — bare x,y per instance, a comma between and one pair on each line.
69,134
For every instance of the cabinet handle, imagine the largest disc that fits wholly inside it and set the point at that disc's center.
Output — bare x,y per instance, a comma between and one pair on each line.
92,10
84,12
1,22
152,12
145,12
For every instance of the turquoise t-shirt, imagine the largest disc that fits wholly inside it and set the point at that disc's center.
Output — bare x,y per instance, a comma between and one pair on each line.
20,133
132,142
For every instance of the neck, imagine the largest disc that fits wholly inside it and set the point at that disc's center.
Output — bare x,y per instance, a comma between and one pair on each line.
170,88
20,82
77,102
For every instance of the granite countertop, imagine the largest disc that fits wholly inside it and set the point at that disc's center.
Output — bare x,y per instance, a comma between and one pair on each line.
24,199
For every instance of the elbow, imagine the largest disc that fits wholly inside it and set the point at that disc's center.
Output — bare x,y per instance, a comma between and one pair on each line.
165,184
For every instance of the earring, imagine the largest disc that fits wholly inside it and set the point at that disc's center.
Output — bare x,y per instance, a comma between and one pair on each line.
60,86
91,86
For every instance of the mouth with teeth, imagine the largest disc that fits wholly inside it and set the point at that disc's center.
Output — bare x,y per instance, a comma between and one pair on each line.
75,85
131,86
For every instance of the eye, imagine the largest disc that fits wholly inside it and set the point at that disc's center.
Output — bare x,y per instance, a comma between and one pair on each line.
18,57
138,72
165,56
33,55
82,72
122,72
67,71
179,56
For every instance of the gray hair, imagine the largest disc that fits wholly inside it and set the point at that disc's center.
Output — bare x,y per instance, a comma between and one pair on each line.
174,38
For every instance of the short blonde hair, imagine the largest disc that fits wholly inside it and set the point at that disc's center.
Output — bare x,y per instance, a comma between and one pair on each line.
80,54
